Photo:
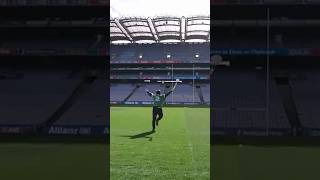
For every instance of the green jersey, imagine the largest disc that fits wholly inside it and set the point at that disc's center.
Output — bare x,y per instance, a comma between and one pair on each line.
158,100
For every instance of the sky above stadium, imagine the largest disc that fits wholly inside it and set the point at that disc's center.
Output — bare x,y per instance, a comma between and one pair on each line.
152,8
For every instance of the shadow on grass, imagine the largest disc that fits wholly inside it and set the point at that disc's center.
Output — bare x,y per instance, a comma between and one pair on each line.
141,135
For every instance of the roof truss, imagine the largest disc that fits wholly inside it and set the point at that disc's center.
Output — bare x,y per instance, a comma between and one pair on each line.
160,29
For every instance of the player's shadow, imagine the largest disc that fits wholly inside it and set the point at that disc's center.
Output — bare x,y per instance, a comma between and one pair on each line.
141,135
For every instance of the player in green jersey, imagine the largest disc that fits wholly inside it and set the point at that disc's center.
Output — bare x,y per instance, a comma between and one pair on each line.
158,101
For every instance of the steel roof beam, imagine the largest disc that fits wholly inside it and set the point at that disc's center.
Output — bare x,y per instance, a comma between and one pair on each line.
156,31
183,28
124,30
163,28
153,30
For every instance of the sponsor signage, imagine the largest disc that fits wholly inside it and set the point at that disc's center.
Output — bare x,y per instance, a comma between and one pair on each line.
56,130
251,132
77,130
264,51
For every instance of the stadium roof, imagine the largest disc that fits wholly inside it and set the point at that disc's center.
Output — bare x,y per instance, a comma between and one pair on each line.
154,8
160,29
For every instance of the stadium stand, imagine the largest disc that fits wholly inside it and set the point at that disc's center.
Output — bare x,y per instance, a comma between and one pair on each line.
135,61
182,94
239,97
206,92
48,64
157,75
54,43
239,101
140,93
158,52
35,94
90,108
118,92
306,93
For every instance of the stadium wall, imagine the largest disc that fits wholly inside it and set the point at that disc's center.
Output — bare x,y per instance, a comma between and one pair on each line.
55,130
272,132
149,103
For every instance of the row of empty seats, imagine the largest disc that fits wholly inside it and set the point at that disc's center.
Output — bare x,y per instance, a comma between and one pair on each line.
238,98
53,43
89,109
239,101
184,93
158,52
306,95
34,97
159,75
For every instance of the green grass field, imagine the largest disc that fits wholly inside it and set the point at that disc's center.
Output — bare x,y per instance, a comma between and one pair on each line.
234,162
52,161
179,149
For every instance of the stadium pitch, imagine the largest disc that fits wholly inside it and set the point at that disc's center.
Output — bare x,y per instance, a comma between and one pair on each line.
179,149
52,161
246,162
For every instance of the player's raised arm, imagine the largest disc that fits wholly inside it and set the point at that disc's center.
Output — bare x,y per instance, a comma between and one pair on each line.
149,93
172,89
